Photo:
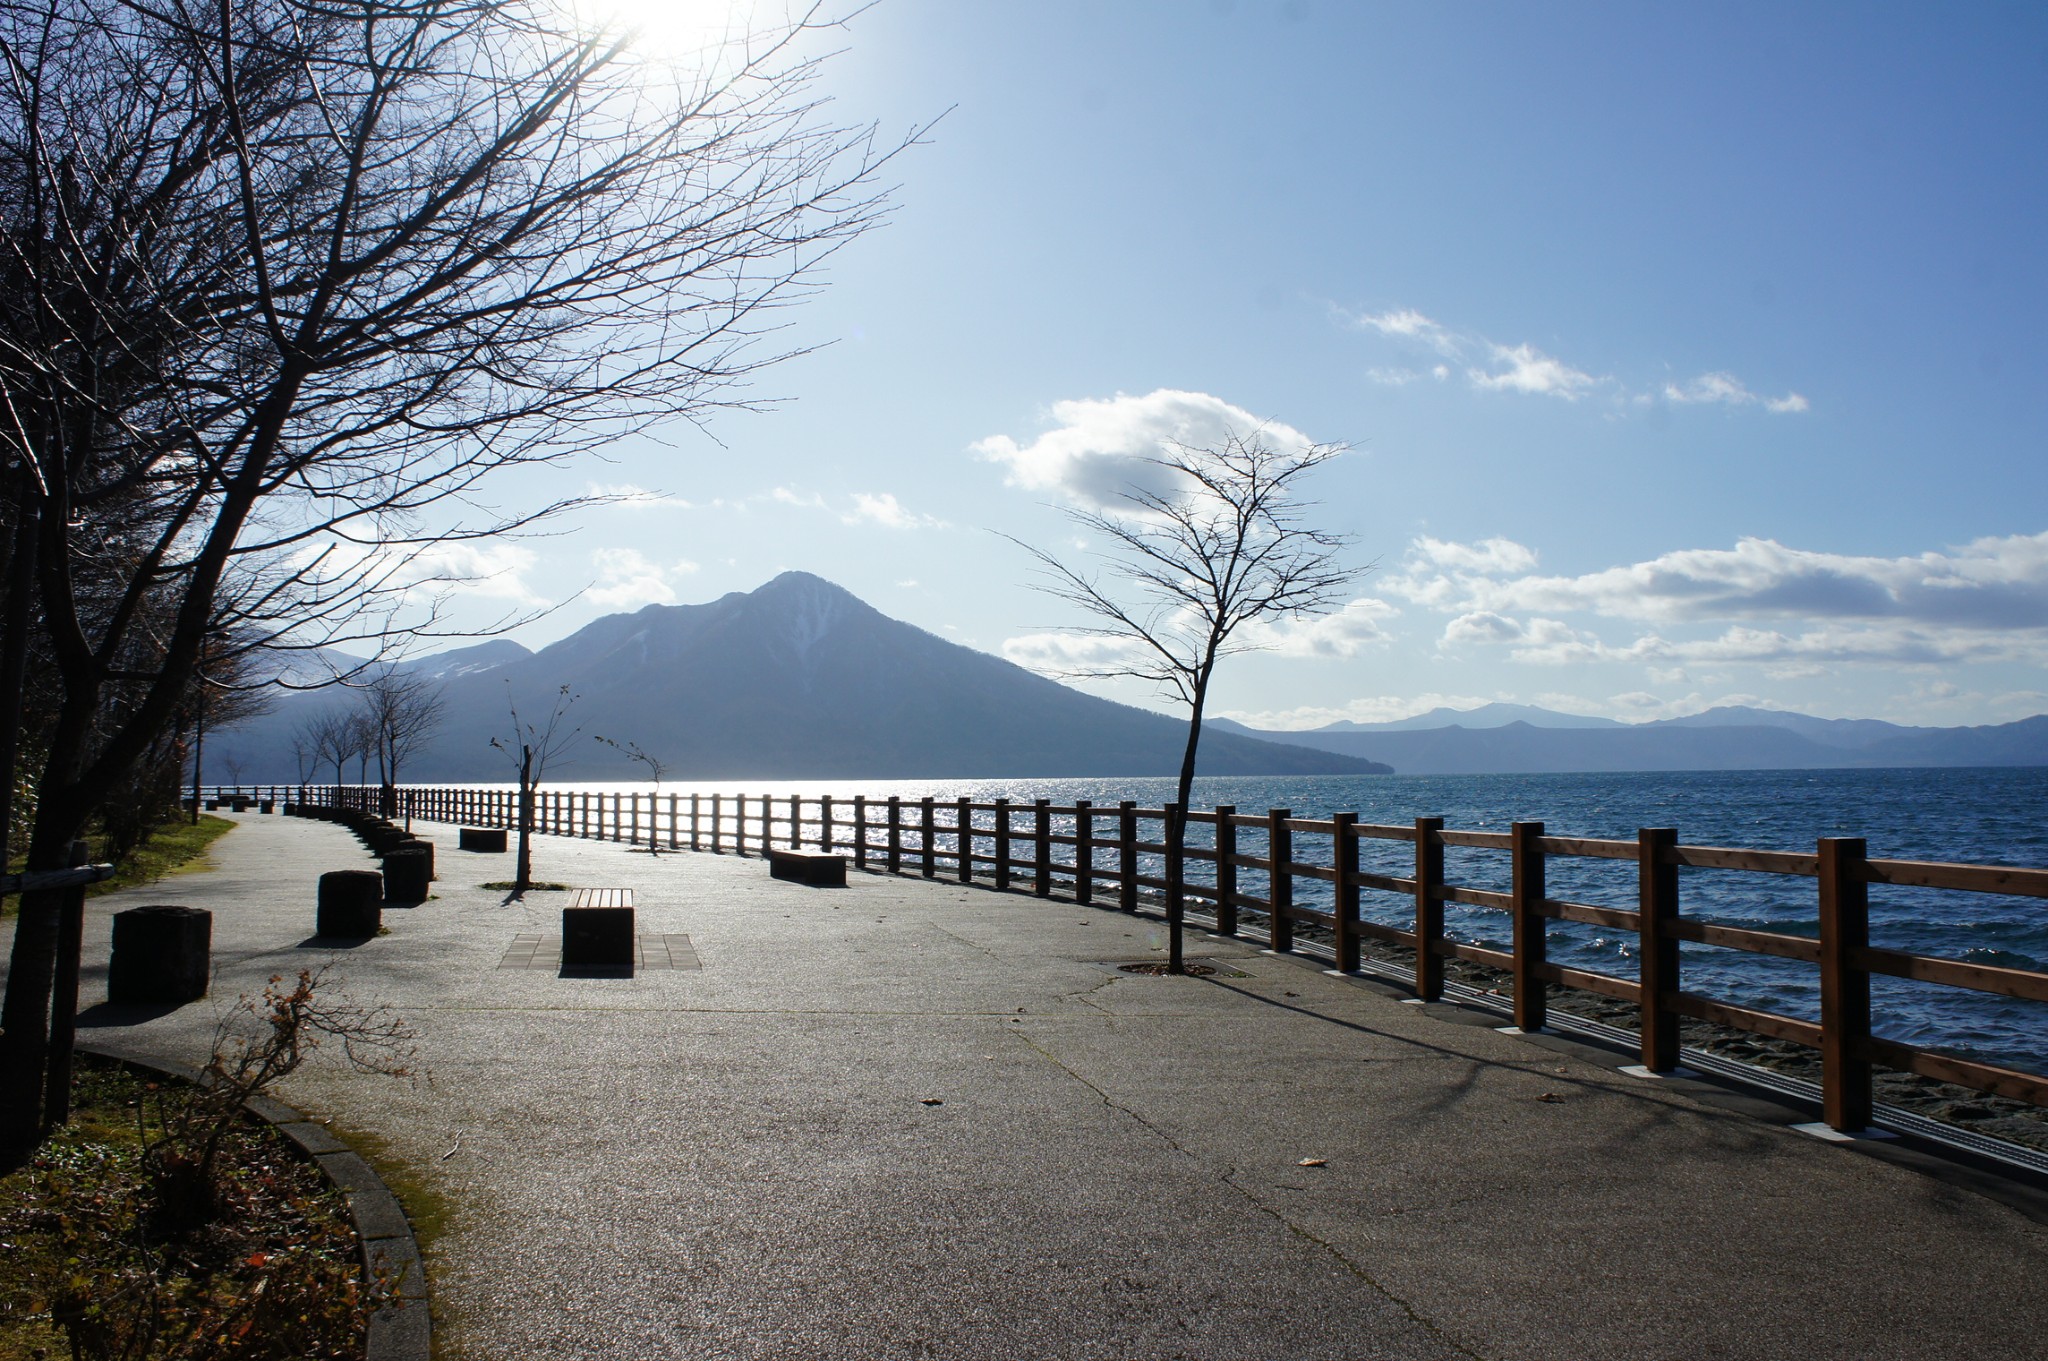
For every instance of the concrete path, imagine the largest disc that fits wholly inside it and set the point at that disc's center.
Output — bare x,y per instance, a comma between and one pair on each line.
909,1119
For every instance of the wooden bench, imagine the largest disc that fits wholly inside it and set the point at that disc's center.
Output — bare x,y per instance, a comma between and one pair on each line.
819,869
597,928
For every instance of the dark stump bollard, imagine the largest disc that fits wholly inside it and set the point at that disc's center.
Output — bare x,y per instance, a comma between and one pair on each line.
267,806
491,839
597,936
162,953
413,843
351,903
407,873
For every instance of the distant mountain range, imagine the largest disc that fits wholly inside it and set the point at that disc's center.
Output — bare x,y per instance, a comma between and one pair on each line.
1516,739
798,679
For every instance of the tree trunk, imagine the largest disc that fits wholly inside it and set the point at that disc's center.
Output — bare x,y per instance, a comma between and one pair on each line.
31,980
21,574
1177,831
523,878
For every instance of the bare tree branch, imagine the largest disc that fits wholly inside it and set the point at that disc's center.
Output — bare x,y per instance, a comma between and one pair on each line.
1184,569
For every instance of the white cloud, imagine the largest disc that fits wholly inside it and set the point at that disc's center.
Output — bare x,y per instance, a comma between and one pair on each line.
627,579
1528,369
1493,366
1481,626
1992,583
1727,389
1065,654
1792,612
803,501
482,569
1099,446
1409,324
882,508
1345,632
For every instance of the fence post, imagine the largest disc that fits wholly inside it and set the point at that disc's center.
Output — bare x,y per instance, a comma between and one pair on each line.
1344,891
860,830
1844,987
1176,832
695,843
1041,828
739,824
1279,879
1084,851
1429,909
824,822
1657,948
1531,993
1127,855
963,839
927,831
895,834
1002,843
718,824
1226,870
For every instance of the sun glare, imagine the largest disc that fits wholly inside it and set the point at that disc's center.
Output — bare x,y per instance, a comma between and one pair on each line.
686,30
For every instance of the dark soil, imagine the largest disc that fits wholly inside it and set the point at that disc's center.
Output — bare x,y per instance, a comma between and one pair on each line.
91,1265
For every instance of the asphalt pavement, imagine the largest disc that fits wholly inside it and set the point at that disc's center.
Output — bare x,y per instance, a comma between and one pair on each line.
919,1119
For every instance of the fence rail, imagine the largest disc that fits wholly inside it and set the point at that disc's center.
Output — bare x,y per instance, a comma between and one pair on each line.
1085,850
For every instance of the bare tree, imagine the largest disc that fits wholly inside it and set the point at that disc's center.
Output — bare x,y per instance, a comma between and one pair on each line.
1220,545
288,279
656,768
401,710
531,747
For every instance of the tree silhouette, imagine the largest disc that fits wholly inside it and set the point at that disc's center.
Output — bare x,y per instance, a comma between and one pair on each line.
1219,544
285,283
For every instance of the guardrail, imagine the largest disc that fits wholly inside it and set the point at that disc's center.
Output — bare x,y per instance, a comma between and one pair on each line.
1081,847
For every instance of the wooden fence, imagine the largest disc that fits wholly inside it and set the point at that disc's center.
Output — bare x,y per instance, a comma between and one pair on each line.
1090,853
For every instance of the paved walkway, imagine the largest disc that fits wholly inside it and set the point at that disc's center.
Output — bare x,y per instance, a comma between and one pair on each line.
919,1120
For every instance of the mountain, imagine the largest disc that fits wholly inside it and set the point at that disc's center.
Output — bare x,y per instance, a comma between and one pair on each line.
1729,738
798,679
1485,716
468,661
1832,732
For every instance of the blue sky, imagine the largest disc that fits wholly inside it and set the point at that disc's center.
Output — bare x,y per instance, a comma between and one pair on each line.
1688,355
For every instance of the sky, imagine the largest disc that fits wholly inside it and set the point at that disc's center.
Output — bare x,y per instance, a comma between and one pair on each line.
1685,355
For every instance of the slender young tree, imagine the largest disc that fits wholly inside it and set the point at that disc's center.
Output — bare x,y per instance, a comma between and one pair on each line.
401,710
284,283
531,747
657,769
1220,544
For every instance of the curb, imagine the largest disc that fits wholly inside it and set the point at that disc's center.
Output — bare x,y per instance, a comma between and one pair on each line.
401,1333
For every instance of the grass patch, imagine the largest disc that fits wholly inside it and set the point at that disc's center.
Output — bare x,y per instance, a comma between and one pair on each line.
95,1265
426,1209
176,848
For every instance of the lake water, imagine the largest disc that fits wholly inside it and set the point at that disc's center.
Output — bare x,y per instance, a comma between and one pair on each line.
1982,816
